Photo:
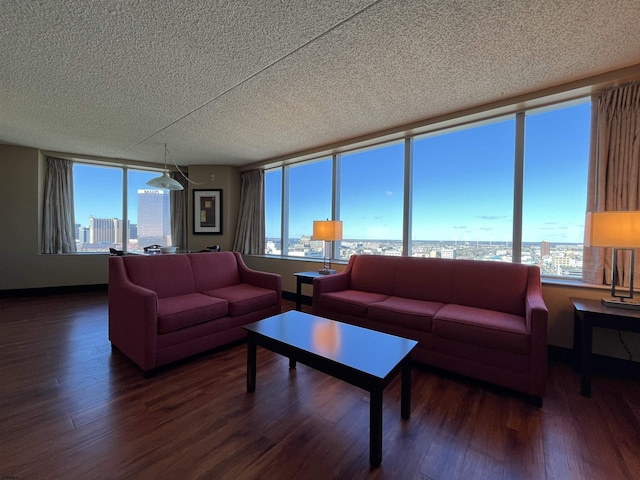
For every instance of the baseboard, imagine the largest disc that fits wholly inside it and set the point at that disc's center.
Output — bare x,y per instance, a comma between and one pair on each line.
36,292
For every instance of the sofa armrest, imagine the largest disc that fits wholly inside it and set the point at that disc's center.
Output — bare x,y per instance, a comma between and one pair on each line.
332,283
270,281
133,316
536,318
536,309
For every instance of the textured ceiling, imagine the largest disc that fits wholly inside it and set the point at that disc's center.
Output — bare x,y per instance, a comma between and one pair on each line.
237,82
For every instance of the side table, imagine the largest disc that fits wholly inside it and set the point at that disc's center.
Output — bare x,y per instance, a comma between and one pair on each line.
589,314
304,277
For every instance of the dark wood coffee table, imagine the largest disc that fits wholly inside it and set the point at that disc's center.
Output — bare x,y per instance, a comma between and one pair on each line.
359,356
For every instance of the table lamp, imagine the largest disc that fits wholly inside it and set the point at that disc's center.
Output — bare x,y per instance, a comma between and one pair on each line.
619,230
328,231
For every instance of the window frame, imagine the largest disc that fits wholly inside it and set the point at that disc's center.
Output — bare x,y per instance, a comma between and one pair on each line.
125,169
409,139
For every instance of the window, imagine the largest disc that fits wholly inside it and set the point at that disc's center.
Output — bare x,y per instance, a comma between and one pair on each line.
148,212
99,202
371,200
556,157
309,200
273,212
97,199
463,193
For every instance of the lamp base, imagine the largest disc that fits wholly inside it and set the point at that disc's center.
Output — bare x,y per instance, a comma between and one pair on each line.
621,303
326,271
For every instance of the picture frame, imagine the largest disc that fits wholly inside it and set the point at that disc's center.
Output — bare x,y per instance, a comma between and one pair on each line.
207,212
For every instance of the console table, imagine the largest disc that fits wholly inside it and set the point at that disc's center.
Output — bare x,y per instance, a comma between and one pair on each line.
589,314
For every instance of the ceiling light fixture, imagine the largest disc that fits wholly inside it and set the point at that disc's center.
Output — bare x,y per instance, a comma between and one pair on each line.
165,181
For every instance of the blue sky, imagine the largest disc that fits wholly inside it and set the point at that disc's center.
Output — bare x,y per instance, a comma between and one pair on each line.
463,184
98,192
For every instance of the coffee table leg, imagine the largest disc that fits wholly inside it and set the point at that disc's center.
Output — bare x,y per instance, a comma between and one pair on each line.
375,428
251,363
405,401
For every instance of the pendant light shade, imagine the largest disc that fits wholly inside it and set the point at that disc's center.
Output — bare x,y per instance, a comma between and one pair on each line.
165,181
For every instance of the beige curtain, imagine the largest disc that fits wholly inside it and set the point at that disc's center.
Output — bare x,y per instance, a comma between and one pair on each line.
178,206
58,220
250,231
614,171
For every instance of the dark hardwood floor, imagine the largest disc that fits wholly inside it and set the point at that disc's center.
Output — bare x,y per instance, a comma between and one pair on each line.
70,408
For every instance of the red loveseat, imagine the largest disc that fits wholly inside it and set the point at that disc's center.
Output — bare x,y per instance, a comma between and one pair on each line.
163,308
486,320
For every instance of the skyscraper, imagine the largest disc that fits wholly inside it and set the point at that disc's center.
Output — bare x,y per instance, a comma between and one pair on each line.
105,230
154,226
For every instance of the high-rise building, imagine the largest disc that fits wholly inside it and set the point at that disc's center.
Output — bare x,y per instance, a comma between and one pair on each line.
84,234
545,248
154,226
105,230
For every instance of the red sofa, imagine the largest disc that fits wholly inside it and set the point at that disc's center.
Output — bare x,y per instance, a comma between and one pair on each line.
486,320
163,308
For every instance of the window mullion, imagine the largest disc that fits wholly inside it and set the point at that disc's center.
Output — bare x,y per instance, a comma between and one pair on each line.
518,185
408,197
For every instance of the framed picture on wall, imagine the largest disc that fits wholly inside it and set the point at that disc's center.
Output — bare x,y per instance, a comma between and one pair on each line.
207,212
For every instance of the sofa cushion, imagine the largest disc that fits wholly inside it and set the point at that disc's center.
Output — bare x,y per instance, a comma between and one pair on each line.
183,311
490,285
352,302
244,298
407,312
167,275
373,273
214,270
428,279
502,331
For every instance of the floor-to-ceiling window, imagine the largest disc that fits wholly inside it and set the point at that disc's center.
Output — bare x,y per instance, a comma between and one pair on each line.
370,192
111,215
273,211
463,192
507,189
309,198
556,155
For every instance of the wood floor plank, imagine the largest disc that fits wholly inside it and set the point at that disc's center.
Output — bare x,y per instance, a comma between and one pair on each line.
70,407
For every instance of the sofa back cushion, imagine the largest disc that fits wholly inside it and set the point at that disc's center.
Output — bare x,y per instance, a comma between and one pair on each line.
214,270
490,285
167,275
373,273
429,279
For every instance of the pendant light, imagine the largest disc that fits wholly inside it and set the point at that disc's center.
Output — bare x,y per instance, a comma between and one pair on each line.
165,181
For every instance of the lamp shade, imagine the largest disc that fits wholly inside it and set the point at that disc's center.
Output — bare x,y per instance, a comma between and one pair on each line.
613,229
328,230
165,181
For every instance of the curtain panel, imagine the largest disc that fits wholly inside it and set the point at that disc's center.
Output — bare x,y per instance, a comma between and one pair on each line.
250,231
58,220
614,172
178,206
